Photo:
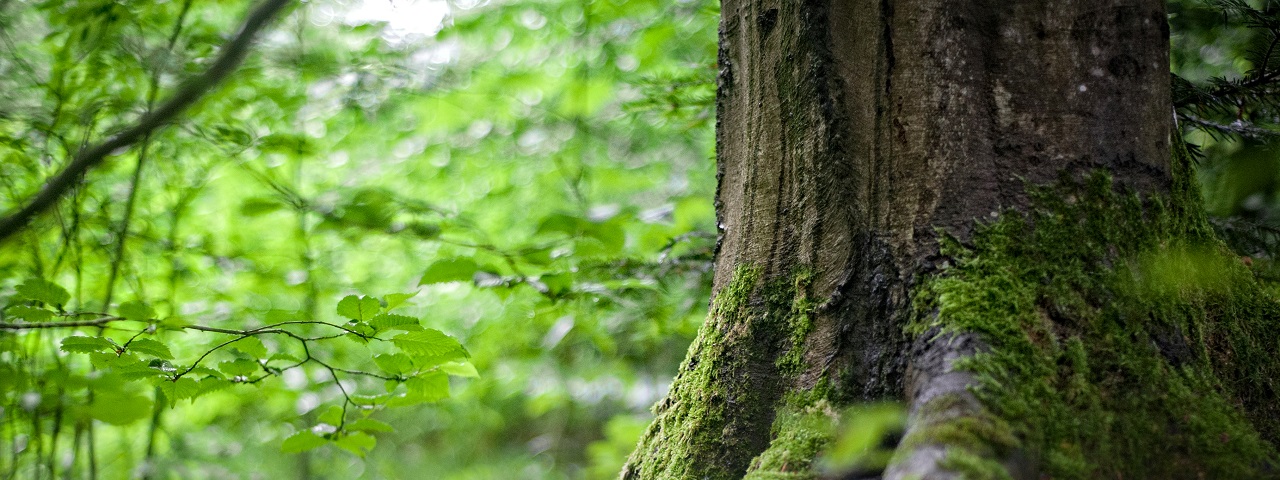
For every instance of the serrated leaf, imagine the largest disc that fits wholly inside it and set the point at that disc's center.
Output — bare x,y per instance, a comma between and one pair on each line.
78,344
284,357
460,369
238,367
301,442
136,310
395,300
451,270
203,370
251,347
360,331
359,443
369,425
428,344
394,322
394,363
147,346
133,368
101,359
212,384
183,389
428,387
358,308
44,291
30,314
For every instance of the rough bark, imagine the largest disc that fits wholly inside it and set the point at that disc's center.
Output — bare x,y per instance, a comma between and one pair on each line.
851,134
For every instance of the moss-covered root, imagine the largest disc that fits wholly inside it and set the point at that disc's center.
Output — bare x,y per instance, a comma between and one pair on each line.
1118,339
801,430
949,433
717,415
721,411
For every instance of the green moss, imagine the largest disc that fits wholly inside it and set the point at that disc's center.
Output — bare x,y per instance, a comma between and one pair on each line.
792,303
974,467
983,434
691,420
1126,342
755,326
799,434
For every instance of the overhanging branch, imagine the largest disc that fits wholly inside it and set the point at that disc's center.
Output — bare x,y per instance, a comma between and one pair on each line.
233,53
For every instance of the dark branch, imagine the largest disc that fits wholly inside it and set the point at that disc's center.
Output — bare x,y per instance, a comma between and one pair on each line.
1242,129
231,56
97,322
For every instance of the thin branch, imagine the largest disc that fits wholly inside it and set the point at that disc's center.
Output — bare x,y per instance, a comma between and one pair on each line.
230,58
1238,128
97,322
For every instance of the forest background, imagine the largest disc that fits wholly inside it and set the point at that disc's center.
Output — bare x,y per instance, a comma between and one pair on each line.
405,239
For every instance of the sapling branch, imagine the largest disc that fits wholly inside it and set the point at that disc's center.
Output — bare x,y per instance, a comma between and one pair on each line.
196,88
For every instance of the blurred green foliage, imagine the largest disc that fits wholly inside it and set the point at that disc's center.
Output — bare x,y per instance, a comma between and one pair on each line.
1226,60
532,179
528,185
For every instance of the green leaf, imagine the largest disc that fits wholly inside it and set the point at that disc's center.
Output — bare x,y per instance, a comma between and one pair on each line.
301,442
359,443
119,407
239,367
369,425
451,270
136,311
78,344
394,363
428,387
430,346
212,384
332,416
561,223
460,369
102,359
276,315
283,357
183,389
395,322
130,367
255,206
203,370
150,347
395,300
44,291
30,314
557,283
251,347
358,308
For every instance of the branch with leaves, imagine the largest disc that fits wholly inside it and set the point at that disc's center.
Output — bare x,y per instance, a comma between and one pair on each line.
421,359
193,90
1244,107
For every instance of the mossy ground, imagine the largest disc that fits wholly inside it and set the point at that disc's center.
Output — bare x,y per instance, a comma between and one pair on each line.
1125,341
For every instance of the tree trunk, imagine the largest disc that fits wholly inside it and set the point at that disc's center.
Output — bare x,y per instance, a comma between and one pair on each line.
858,138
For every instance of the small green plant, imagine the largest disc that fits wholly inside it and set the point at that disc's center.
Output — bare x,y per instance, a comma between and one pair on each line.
106,373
